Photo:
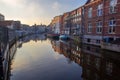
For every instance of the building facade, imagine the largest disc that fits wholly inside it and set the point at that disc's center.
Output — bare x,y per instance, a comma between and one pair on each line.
2,18
97,22
16,25
66,23
56,24
76,24
102,22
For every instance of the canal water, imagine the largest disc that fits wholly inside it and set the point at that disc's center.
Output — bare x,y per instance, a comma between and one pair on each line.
39,58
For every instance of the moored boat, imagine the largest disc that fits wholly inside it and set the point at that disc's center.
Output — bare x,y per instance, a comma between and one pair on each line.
64,37
52,35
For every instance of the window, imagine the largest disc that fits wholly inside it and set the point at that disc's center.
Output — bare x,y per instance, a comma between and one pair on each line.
89,27
88,40
113,4
112,24
90,13
98,41
100,10
99,27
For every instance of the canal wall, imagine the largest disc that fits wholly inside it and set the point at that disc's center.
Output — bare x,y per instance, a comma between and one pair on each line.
4,52
8,38
113,47
103,45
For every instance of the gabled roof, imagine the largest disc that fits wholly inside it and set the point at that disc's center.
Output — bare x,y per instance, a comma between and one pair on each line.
88,1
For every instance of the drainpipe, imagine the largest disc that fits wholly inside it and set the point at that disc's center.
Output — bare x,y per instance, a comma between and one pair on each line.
82,28
103,29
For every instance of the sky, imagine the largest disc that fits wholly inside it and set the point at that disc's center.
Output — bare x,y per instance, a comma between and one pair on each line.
36,11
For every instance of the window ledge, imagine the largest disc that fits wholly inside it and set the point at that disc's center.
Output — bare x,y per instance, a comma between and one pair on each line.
111,33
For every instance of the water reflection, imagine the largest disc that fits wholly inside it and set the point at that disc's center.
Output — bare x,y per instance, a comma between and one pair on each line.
38,61
8,51
37,58
100,64
97,64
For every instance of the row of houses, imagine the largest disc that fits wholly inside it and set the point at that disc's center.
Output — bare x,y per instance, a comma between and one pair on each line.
11,24
16,29
96,22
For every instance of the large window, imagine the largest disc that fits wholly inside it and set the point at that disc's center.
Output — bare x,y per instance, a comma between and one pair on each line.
99,27
100,10
112,24
89,12
89,27
113,4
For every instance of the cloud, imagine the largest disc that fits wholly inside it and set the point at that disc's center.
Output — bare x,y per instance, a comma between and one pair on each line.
12,2
31,11
56,6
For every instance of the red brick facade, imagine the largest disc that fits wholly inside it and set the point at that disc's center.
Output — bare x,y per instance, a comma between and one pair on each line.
97,20
65,27
101,25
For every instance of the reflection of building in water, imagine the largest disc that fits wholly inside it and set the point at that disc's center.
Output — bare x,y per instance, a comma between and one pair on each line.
69,49
56,46
8,50
97,64
35,37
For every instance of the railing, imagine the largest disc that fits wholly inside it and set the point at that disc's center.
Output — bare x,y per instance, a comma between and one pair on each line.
109,46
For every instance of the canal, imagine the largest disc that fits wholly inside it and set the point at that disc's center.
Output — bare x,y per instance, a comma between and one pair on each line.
39,58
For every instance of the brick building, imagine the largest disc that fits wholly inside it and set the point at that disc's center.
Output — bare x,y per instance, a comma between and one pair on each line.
101,21
97,22
65,24
71,22
16,25
75,17
9,24
56,24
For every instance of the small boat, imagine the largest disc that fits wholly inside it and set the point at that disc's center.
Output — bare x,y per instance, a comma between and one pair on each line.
64,37
52,35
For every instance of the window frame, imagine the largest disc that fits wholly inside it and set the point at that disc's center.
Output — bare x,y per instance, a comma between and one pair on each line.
90,12
112,8
100,10
99,25
112,25
89,29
